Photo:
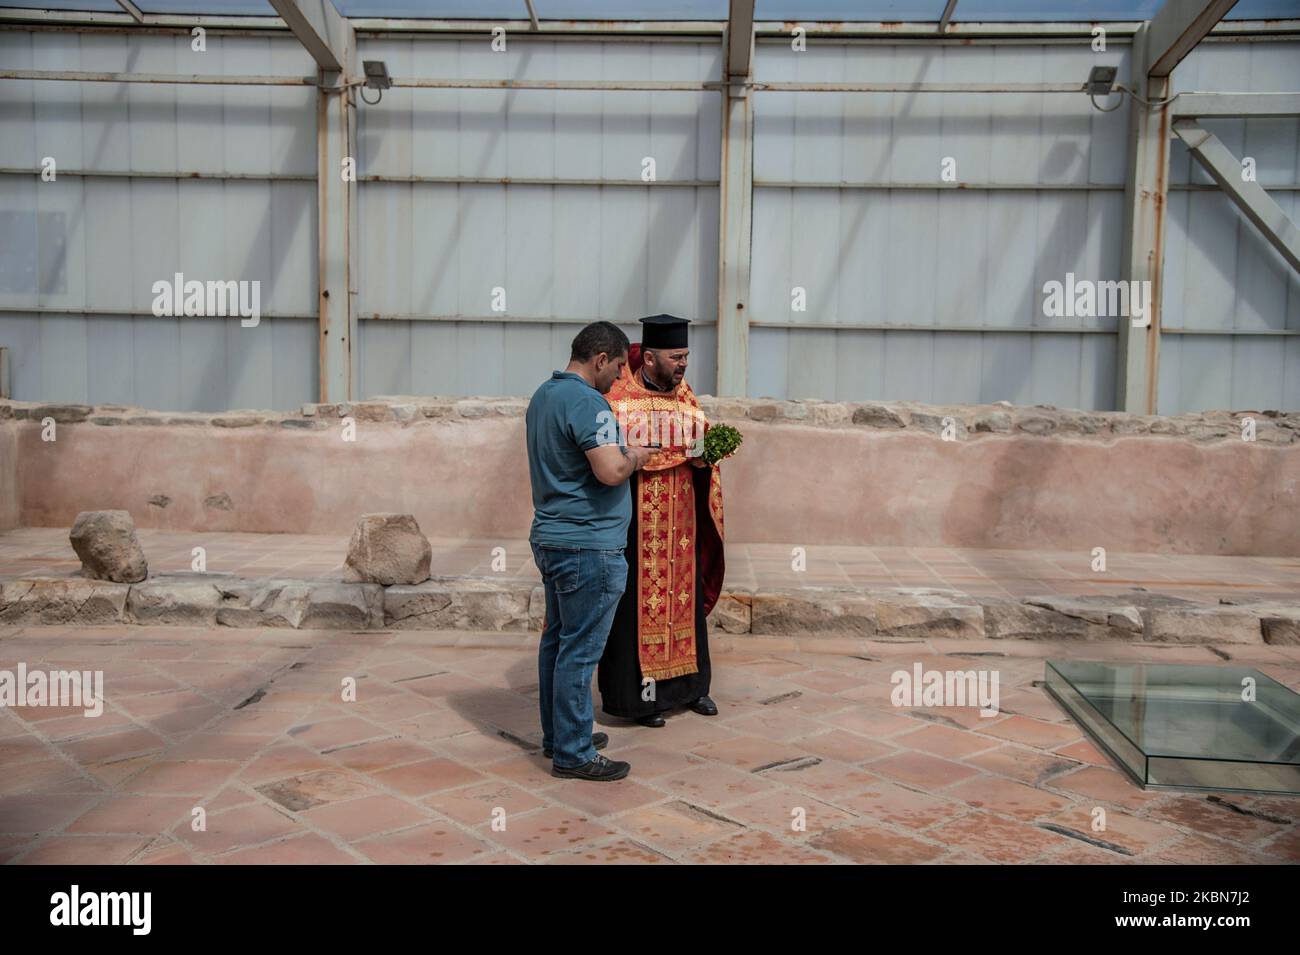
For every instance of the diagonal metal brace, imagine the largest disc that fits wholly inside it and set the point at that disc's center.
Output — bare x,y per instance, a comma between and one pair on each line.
1256,204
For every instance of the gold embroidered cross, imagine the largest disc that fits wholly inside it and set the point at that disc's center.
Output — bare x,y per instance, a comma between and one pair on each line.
655,545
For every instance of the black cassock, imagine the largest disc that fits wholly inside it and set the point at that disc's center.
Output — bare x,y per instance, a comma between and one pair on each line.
619,673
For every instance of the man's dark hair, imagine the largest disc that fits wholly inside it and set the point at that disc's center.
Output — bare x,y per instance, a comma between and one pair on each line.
596,338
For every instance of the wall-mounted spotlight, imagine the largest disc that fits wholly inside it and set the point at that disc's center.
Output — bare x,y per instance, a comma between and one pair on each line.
1100,80
377,78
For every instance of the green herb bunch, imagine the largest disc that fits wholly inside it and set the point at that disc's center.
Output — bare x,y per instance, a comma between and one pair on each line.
720,441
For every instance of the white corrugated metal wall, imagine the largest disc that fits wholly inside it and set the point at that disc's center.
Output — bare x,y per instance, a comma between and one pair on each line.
1220,273
100,242
979,257
564,254
924,256
576,253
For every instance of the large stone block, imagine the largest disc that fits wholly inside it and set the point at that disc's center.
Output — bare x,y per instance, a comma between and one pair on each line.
877,415
921,614
174,600
465,603
388,549
415,605
346,606
373,411
75,601
1010,619
940,423
62,414
812,610
269,603
731,614
1202,625
992,421
1281,631
1053,618
1279,622
109,550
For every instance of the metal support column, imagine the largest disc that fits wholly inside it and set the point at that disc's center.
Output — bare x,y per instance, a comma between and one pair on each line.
332,43
1142,259
736,202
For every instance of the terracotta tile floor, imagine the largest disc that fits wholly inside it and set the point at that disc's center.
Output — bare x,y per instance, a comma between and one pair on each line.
807,761
45,550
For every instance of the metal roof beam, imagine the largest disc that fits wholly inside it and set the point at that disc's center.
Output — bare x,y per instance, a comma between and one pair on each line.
740,38
946,18
1177,27
132,9
1256,204
34,18
322,30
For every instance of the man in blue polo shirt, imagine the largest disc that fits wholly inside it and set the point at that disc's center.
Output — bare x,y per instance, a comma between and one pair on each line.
579,466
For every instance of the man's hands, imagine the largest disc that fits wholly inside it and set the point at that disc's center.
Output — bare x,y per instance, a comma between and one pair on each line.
614,464
640,456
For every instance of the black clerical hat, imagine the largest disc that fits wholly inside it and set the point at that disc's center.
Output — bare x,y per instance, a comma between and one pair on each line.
664,331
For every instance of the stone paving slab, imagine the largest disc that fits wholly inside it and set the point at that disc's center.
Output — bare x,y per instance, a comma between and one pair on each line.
437,760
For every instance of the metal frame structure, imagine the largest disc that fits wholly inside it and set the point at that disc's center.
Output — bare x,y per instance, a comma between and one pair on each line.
1249,196
736,206
332,43
1158,47
331,40
132,10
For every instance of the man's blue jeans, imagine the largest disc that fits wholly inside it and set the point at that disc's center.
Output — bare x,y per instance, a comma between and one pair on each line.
583,588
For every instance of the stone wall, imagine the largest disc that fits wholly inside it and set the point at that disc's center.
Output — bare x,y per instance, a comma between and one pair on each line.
809,471
518,606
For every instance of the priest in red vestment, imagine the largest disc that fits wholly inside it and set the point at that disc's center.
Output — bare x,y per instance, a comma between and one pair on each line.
657,654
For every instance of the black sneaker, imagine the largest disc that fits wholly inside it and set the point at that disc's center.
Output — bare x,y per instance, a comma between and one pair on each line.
598,740
600,770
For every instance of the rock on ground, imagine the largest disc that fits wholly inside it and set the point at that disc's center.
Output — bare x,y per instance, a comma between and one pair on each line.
109,550
388,549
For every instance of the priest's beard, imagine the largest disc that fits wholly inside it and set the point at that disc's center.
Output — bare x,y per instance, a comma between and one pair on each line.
658,379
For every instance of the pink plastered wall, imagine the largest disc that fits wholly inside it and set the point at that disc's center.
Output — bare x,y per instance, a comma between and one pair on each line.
791,483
